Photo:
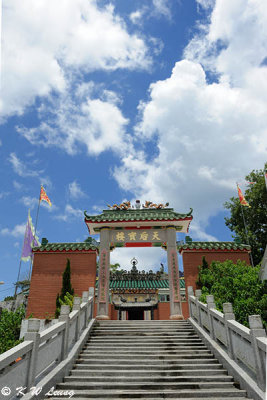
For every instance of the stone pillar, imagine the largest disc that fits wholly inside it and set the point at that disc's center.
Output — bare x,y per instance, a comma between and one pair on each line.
256,330
103,285
173,271
33,335
147,315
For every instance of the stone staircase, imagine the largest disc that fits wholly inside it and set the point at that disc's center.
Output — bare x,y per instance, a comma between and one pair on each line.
148,360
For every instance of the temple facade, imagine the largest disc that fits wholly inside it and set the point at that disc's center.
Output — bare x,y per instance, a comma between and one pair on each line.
134,294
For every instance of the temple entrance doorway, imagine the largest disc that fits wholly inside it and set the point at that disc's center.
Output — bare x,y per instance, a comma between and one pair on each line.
137,314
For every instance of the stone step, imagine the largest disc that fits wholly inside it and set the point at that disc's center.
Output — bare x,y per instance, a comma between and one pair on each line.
145,330
151,396
129,386
141,349
144,396
143,361
154,339
147,352
160,338
149,328
155,367
149,379
142,323
138,333
152,357
145,345
146,373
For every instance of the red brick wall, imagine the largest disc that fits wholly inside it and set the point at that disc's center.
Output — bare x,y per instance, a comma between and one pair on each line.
193,258
46,281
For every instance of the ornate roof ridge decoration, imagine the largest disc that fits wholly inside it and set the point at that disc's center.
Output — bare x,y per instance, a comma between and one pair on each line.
88,244
141,214
126,205
213,246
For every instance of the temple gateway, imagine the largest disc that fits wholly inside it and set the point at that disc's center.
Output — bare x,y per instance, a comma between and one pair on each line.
134,294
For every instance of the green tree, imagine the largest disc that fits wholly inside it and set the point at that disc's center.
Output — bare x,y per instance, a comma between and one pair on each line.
238,284
255,215
66,281
202,267
10,323
67,292
114,267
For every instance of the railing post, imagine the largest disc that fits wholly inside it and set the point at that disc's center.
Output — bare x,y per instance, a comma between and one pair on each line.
33,335
210,304
76,307
198,294
85,300
228,315
256,330
64,317
91,294
190,292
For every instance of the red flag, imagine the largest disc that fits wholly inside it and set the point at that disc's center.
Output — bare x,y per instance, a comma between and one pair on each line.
44,197
242,199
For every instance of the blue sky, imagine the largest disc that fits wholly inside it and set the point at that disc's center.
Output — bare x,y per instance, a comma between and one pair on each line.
103,101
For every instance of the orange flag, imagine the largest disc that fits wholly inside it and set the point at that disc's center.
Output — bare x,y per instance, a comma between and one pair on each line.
242,199
44,197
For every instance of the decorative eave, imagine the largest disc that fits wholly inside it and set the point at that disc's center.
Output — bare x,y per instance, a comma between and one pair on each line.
213,246
65,248
138,218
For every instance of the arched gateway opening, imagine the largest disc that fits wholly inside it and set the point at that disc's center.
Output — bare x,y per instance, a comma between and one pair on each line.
153,225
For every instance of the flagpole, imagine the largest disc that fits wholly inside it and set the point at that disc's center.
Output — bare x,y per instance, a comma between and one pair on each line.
246,231
15,293
35,229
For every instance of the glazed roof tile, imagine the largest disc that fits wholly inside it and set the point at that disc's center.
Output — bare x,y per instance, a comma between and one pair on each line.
144,214
142,284
213,246
65,247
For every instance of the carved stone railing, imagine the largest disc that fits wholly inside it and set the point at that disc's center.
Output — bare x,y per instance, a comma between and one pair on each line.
26,365
245,346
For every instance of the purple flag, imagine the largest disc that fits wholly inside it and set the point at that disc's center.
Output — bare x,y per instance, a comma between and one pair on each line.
29,240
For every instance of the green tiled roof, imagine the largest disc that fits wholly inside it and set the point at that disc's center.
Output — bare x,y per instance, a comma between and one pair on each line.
142,284
144,214
213,246
65,247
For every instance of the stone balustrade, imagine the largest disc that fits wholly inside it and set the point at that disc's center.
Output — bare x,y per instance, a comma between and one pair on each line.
25,365
245,346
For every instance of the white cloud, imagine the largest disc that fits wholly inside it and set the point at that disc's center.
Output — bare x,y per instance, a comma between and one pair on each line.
18,186
147,258
20,168
161,7
53,38
72,121
75,190
17,231
208,136
3,195
206,3
29,202
158,9
70,214
136,17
